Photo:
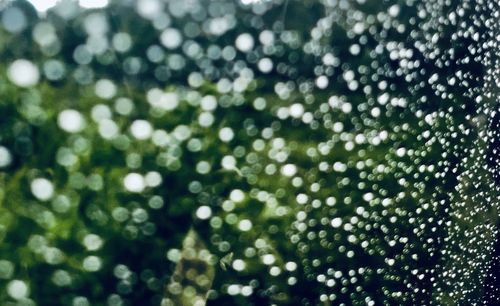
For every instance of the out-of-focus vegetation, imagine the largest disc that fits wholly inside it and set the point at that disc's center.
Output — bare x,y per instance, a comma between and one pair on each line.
246,153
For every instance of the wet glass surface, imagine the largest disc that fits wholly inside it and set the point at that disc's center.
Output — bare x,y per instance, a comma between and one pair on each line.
272,152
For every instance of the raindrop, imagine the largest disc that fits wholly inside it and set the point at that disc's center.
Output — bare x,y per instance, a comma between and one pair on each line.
141,129
17,289
92,242
23,73
5,157
244,42
71,121
92,263
134,182
42,189
171,38
204,212
14,20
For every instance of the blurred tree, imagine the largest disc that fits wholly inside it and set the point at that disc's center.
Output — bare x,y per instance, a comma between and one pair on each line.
247,153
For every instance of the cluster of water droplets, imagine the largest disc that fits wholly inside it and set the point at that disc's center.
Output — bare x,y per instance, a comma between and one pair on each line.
262,152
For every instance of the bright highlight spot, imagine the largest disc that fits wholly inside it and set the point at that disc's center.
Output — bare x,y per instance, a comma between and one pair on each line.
42,189
134,182
23,73
92,3
17,289
43,5
71,121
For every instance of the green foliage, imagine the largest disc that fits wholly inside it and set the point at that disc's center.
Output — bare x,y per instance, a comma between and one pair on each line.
335,157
